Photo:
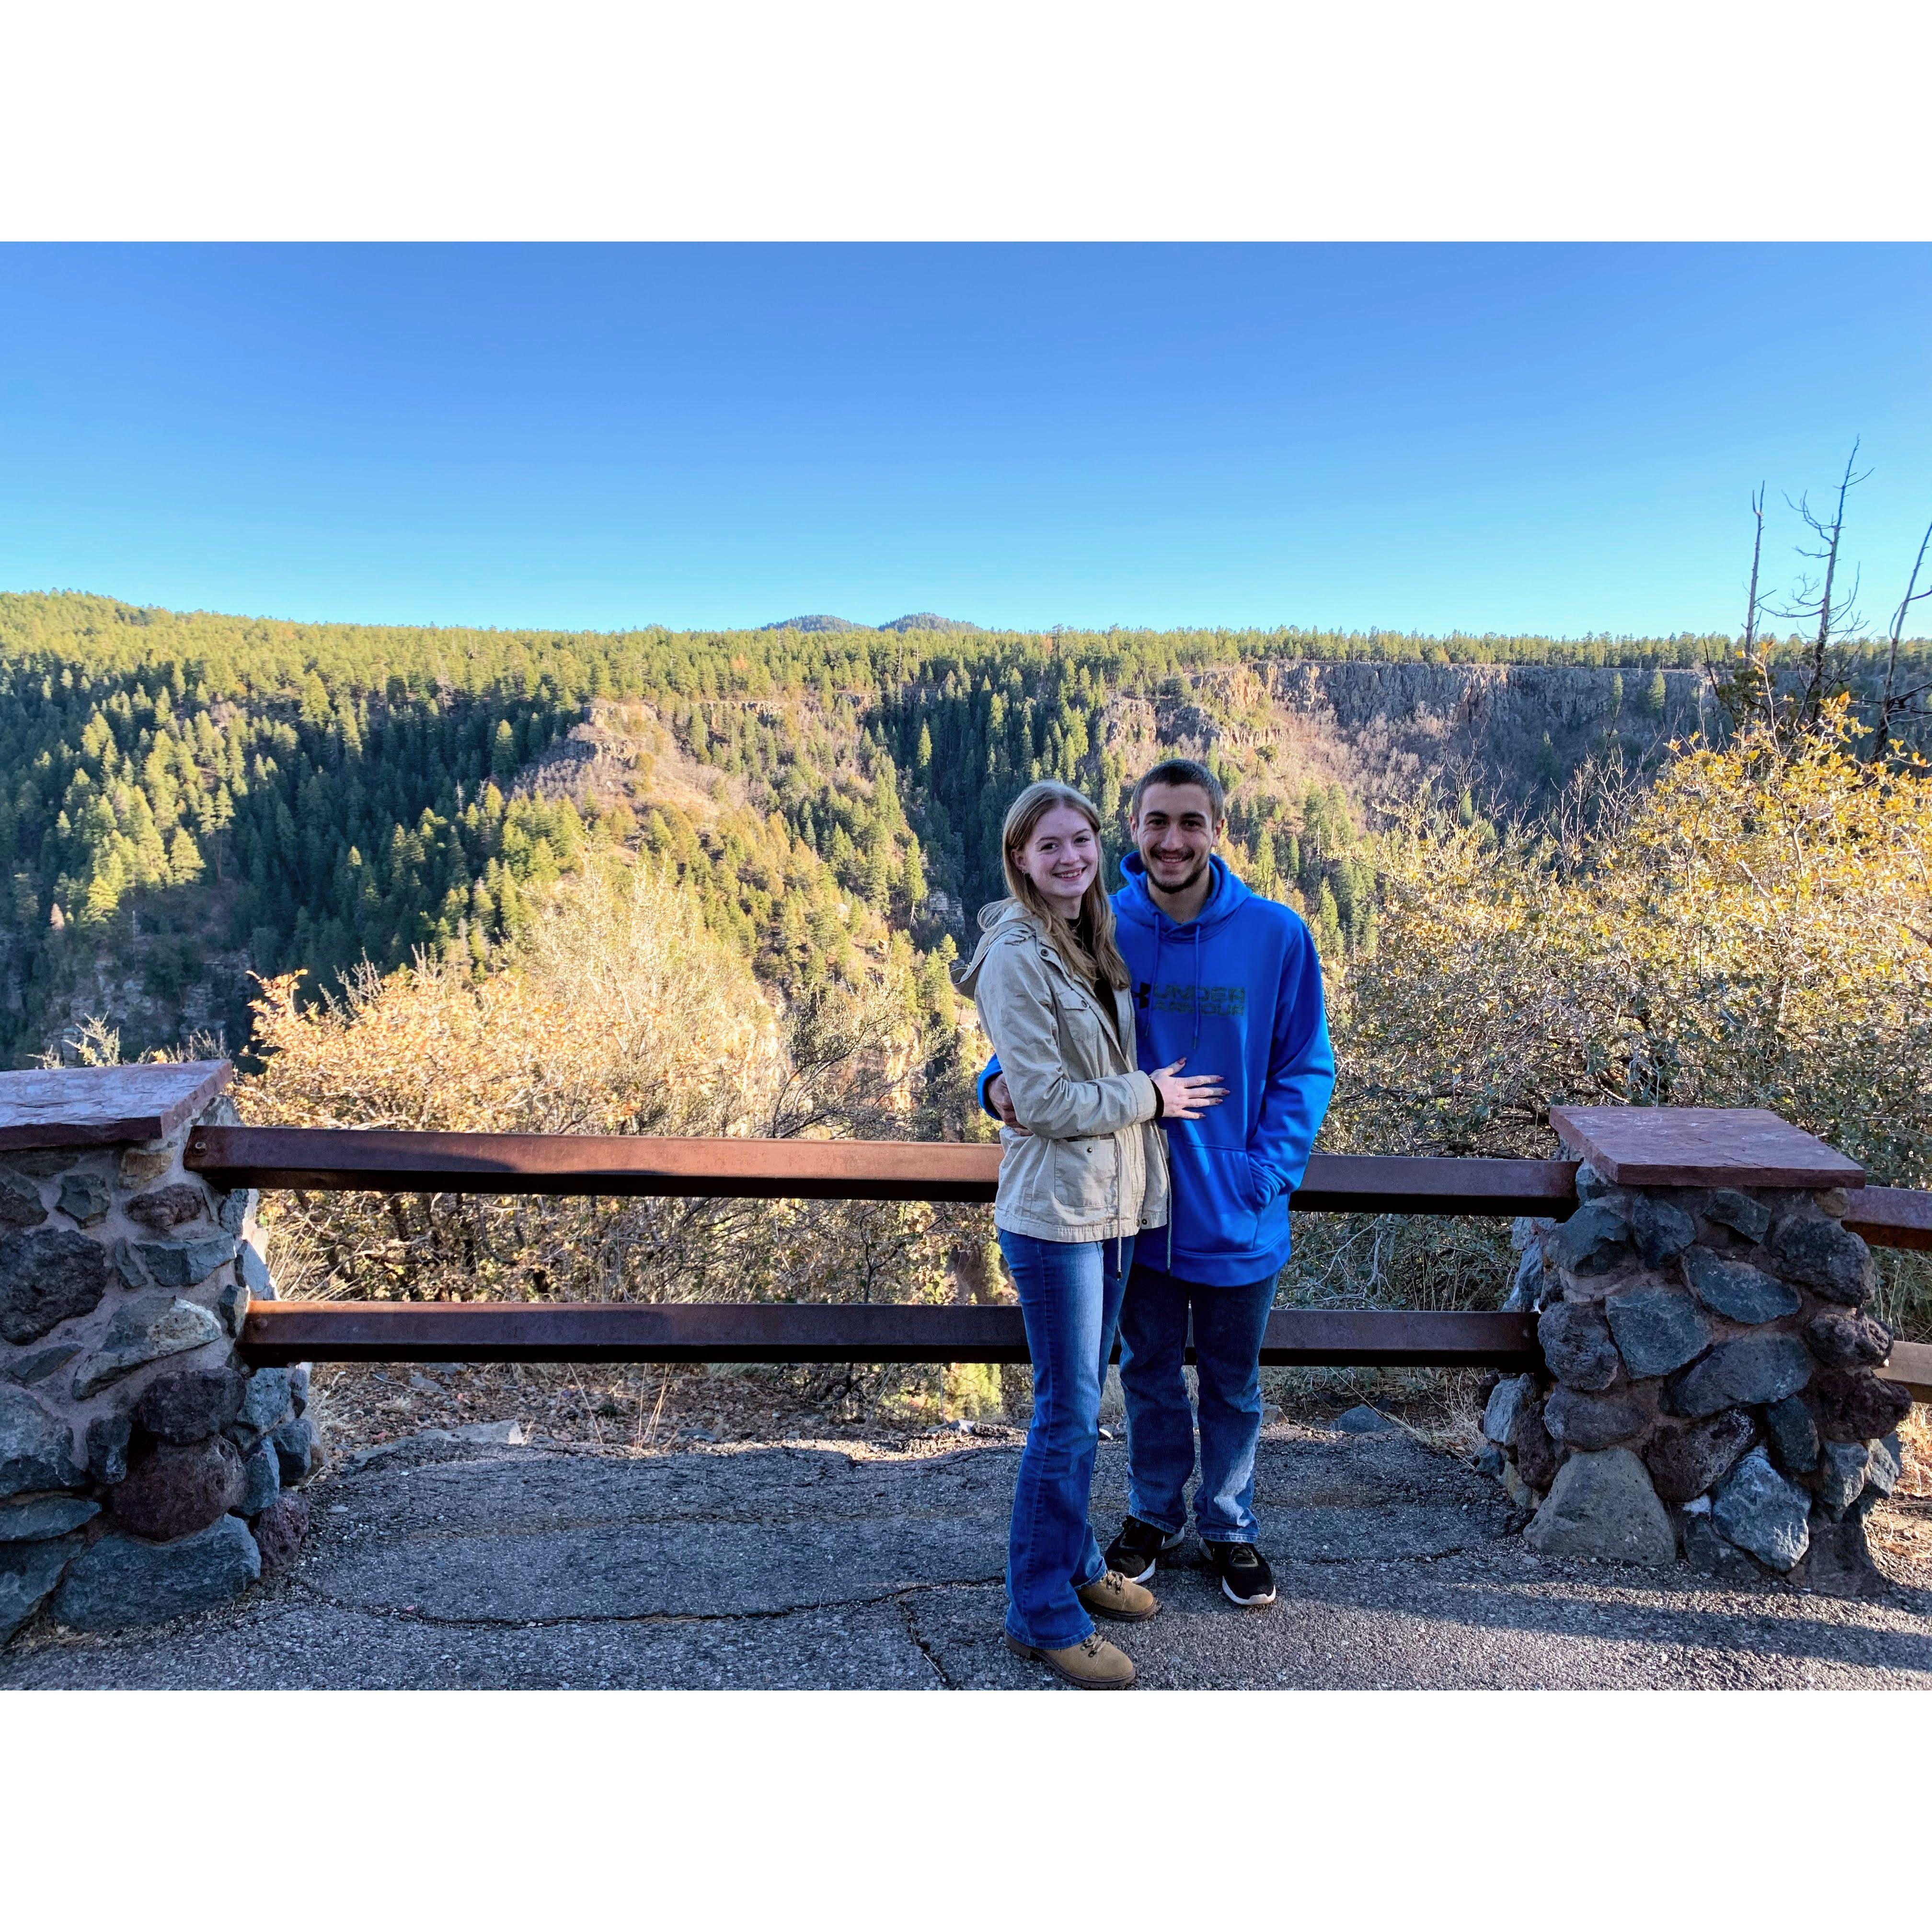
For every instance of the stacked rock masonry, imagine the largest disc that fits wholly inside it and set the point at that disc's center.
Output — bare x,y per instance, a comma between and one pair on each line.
144,1471
1709,1386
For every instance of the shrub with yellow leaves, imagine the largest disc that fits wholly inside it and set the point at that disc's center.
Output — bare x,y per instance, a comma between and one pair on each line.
625,1014
1753,930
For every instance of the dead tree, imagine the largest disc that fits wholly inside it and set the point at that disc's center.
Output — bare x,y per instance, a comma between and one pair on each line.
1744,686
1815,598
1896,703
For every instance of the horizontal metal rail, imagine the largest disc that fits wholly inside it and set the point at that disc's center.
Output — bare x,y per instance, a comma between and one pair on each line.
281,1332
325,1158
1911,1365
1891,1217
364,1159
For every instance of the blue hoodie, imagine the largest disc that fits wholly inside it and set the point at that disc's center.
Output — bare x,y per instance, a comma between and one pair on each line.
1237,991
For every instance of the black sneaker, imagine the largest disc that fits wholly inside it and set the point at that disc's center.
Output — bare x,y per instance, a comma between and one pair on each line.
1135,1552
1246,1578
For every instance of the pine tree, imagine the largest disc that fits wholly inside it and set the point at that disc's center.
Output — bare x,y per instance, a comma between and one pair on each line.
1326,923
184,861
503,753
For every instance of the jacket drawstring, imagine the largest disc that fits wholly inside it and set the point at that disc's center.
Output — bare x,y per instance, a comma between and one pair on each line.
1196,1040
1160,1138
1166,1163
1153,993
1193,1046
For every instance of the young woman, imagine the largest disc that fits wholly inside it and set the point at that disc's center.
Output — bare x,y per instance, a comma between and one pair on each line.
1084,1173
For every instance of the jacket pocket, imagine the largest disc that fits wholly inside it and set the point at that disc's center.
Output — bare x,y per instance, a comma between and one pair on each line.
1084,1175
1083,1039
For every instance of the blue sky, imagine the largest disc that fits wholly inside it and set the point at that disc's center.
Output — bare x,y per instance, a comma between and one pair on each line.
1488,438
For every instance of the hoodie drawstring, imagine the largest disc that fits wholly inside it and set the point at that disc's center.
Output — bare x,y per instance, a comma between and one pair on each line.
1169,1269
1193,1046
1196,1040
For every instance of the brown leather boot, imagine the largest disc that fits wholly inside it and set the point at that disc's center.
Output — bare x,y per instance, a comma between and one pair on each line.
1111,1596
1091,1664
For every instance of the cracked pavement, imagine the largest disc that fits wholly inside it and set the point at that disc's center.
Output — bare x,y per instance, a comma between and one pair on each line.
436,1566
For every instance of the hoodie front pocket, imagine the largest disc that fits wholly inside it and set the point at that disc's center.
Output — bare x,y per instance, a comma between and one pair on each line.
1214,1209
1083,1176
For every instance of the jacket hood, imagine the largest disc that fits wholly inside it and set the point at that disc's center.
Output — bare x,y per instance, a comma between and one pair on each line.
1134,901
996,921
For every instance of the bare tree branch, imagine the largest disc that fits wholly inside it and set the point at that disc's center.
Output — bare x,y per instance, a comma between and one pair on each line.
1894,702
1837,622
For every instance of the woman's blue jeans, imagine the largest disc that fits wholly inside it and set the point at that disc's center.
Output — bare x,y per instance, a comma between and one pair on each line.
1070,1296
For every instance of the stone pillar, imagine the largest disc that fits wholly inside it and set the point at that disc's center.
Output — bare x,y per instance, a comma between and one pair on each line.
144,1470
1708,1386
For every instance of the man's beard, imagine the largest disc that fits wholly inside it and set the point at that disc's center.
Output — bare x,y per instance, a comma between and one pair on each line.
1187,884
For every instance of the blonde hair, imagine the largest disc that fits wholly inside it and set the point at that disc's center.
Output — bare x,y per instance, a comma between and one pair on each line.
1087,943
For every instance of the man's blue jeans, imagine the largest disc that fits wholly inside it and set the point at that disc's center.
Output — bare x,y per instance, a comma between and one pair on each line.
1070,1296
1228,1324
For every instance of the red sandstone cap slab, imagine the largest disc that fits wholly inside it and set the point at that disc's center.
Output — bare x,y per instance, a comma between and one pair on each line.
87,1106
1701,1147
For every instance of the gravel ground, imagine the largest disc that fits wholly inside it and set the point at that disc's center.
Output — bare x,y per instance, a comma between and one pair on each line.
813,1564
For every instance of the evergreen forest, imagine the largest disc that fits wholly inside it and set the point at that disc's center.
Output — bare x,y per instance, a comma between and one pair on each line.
188,799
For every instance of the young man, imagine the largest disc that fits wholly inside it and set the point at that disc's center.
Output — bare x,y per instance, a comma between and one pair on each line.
1230,983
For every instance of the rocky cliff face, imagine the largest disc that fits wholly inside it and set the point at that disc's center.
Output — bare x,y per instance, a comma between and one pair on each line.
154,987
1515,731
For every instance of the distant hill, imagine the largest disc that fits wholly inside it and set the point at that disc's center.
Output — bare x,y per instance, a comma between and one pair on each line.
925,620
918,620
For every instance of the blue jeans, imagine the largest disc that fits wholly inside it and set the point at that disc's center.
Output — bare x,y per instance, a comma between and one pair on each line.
1070,1296
1228,1324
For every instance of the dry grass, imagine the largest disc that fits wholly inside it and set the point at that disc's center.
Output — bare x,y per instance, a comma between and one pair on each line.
1441,1407
1915,1437
645,1409
642,1409
1900,1530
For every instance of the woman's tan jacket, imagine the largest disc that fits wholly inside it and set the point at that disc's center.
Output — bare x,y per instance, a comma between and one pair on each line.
1092,1166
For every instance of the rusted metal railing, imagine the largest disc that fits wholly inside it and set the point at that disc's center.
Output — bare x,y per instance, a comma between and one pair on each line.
318,1159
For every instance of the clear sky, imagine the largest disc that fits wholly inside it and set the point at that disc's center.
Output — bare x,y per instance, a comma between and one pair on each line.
1554,438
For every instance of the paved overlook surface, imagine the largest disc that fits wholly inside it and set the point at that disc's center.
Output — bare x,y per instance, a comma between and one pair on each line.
435,1566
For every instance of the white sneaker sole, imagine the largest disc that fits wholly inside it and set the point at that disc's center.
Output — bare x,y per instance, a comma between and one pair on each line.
1246,1602
1153,1562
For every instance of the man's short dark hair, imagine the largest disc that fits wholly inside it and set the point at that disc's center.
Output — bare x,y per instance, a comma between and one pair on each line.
1182,772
